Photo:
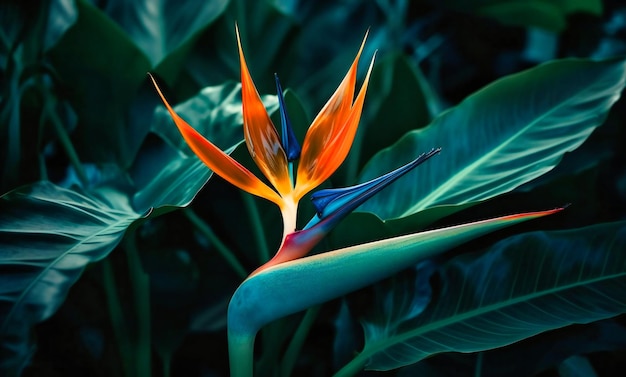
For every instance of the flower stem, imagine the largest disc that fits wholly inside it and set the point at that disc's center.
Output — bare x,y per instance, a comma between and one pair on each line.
140,282
166,358
479,364
221,248
117,317
241,353
257,227
293,349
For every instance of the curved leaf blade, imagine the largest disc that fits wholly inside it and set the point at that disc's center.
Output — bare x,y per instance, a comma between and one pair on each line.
48,234
546,14
215,112
160,28
522,286
506,134
117,68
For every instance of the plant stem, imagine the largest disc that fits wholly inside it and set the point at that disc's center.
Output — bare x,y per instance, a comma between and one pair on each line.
64,139
257,227
293,349
140,282
273,336
167,363
479,365
241,354
355,366
206,230
117,317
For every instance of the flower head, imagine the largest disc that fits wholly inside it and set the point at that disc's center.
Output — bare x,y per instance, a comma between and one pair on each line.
325,146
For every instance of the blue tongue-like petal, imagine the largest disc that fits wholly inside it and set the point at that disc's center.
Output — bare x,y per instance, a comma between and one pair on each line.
288,138
334,204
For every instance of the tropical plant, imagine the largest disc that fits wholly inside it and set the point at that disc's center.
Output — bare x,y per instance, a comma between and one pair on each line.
414,227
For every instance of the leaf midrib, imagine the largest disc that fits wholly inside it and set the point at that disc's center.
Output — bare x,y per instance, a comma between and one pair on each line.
25,292
430,198
481,310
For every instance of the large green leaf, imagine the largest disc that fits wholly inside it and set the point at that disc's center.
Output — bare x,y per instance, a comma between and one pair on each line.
522,286
547,14
506,134
264,32
540,353
48,234
397,106
215,112
101,72
61,16
159,28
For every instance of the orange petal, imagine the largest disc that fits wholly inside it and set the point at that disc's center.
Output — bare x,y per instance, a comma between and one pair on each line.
330,137
218,161
261,136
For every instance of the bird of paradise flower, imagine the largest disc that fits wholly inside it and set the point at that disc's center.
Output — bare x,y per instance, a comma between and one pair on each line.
289,283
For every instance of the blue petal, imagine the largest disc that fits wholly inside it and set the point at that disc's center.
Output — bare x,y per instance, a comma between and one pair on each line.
335,204
288,138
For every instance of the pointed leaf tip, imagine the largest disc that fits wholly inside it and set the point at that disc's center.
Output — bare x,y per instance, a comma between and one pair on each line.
288,137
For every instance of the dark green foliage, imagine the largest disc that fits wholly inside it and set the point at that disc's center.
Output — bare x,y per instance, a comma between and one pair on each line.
102,273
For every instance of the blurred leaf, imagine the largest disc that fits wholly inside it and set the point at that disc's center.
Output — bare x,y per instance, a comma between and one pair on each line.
300,119
62,15
102,71
506,134
541,352
577,366
356,228
215,112
264,31
160,28
48,234
547,14
522,286
397,104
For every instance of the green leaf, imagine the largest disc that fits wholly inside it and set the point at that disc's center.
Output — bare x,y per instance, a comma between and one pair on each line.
61,16
300,120
540,353
397,104
265,32
102,71
160,28
48,234
547,14
174,180
577,366
522,286
215,112
506,134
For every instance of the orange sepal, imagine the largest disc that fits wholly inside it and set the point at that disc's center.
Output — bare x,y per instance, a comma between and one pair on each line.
330,137
261,136
218,161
